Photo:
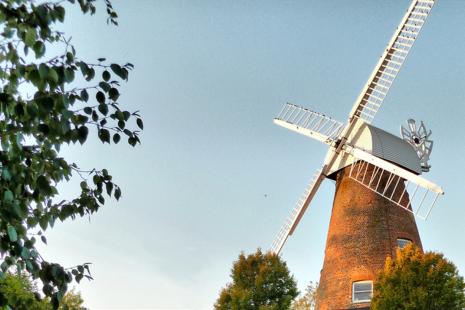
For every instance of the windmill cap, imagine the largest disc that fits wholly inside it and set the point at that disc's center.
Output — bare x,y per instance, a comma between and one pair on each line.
387,146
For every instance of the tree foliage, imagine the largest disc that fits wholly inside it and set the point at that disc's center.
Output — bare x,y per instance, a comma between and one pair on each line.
419,281
49,99
259,282
308,300
21,293
72,301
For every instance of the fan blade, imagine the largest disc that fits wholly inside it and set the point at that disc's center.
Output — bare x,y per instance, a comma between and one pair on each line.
308,123
385,178
405,132
296,214
413,125
380,81
422,132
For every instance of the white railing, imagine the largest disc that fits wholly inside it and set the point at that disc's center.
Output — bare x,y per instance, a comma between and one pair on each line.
308,122
406,194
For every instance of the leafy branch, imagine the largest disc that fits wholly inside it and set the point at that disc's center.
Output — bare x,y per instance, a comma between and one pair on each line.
47,101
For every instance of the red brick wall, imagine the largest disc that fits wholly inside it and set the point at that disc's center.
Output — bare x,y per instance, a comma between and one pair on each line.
363,231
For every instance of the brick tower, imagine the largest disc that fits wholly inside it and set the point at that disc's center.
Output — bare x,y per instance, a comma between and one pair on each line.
364,229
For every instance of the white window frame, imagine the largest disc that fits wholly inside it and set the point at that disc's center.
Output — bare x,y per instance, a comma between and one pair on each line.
402,240
353,292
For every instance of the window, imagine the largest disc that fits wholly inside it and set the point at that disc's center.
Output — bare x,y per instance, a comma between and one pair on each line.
401,243
362,291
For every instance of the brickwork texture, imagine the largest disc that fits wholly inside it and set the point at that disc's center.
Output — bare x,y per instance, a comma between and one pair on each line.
363,231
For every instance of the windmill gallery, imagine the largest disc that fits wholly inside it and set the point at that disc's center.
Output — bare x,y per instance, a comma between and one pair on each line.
378,184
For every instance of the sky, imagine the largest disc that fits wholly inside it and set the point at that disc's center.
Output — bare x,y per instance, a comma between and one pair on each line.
213,175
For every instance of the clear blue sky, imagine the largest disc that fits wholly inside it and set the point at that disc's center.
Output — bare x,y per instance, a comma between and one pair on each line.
209,78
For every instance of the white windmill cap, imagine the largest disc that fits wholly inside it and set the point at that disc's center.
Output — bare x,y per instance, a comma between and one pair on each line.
392,148
381,144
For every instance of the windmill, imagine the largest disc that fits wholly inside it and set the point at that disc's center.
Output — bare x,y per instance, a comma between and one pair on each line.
378,182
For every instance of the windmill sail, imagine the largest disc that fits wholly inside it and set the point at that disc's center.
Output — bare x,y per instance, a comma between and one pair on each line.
309,123
297,213
375,173
380,81
405,189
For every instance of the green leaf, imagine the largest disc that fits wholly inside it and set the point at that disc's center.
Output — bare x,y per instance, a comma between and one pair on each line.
124,74
104,135
12,234
117,193
116,138
100,97
6,174
80,119
30,37
85,97
43,222
8,196
90,74
140,123
39,49
84,68
132,141
32,109
116,69
109,187
25,253
44,240
43,185
96,179
34,77
51,221
104,86
46,105
106,76
43,71
113,94
83,185
53,75
69,75
18,210
60,12
69,57
103,108
83,131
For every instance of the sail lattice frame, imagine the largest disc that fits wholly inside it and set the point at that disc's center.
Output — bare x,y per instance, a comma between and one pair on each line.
385,72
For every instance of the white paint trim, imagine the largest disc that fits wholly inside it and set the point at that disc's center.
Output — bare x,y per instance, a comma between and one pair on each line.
353,292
